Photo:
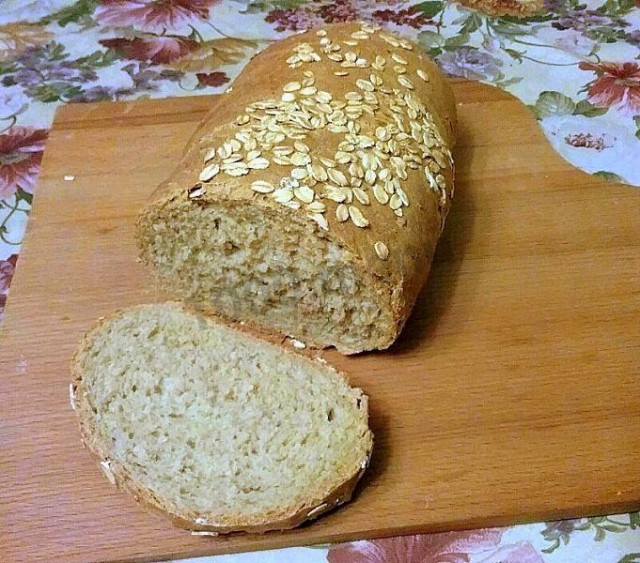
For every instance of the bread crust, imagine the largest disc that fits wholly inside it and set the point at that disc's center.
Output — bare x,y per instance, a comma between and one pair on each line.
411,239
278,519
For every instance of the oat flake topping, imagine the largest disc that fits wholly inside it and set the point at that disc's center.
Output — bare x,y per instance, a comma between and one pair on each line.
370,163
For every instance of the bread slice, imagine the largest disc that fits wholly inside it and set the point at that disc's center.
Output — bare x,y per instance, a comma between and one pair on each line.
311,199
218,429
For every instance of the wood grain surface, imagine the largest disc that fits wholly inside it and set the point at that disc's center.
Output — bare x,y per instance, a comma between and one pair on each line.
513,394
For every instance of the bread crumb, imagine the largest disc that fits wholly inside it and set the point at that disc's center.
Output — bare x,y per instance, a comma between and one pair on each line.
72,398
106,468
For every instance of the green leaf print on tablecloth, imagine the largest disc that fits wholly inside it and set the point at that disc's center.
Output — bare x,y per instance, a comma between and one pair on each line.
560,533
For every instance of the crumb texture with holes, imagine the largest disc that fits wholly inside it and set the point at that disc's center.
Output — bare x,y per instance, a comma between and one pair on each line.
218,429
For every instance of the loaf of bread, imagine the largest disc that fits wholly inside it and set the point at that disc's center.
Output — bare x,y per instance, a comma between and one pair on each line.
311,199
220,430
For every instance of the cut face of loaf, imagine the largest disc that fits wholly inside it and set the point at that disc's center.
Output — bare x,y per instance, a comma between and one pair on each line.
311,200
221,431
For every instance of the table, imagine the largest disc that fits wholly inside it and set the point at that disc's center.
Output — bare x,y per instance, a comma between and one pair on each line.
574,66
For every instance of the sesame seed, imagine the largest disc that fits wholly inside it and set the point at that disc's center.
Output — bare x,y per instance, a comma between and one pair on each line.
288,97
211,154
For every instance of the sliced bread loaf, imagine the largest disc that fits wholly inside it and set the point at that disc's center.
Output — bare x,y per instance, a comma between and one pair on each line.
222,431
311,199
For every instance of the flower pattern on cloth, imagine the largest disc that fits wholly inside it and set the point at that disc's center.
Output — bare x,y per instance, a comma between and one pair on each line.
450,547
576,65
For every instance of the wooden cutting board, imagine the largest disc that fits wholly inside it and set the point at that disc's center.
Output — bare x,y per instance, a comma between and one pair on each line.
513,394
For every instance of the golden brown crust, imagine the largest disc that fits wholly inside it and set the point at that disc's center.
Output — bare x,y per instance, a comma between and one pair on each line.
411,238
118,476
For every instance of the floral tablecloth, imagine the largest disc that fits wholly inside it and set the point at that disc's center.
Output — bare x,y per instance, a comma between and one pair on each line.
576,65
